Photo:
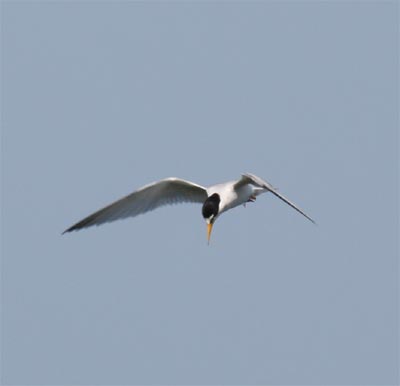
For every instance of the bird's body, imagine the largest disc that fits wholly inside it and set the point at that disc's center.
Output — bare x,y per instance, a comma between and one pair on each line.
216,199
231,197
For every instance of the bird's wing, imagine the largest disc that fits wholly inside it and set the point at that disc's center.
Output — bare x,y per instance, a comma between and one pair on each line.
165,192
248,178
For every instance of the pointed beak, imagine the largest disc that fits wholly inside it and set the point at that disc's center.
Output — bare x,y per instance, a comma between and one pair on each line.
209,229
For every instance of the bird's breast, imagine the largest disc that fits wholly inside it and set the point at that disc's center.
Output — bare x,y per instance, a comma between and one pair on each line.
231,196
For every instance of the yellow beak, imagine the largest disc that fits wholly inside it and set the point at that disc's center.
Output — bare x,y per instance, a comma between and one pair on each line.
209,229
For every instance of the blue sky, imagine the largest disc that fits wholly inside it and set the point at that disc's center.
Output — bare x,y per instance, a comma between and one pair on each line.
100,98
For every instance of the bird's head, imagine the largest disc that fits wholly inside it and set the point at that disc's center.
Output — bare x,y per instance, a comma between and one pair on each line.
210,212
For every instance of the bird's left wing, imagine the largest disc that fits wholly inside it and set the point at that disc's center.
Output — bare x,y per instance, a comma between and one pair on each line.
165,192
248,178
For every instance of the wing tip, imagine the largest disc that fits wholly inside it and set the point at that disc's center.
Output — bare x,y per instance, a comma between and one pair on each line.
313,221
86,222
71,229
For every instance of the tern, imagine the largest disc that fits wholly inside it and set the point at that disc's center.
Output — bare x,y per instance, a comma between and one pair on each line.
215,199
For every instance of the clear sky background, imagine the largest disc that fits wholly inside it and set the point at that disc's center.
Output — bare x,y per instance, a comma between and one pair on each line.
100,98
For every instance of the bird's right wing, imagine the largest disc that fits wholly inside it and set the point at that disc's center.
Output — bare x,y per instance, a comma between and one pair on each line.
248,178
165,192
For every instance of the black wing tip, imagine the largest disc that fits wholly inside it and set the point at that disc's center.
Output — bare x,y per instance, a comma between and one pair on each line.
71,229
307,217
87,222
314,222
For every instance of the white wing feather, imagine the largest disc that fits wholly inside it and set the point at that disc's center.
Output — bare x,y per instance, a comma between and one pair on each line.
248,178
165,192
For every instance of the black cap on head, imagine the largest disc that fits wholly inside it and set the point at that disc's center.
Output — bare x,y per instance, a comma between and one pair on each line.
211,206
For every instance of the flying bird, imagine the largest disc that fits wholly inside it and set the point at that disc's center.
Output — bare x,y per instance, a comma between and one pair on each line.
215,199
